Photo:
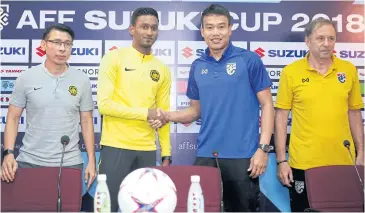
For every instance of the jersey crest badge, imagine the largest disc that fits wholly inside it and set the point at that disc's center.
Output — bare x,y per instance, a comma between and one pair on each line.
73,90
155,75
231,68
341,77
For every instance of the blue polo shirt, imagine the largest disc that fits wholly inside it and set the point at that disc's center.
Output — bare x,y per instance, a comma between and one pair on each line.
227,92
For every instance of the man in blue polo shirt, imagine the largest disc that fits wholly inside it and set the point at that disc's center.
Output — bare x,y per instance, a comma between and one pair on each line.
226,87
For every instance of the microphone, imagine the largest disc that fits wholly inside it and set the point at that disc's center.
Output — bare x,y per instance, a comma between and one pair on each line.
346,143
64,141
215,155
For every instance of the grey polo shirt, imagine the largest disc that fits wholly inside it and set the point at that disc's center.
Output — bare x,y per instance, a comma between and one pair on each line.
53,105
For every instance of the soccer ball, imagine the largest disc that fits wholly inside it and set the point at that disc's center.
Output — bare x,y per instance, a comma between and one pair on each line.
147,190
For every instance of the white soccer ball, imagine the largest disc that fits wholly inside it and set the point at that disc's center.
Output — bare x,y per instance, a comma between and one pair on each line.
147,190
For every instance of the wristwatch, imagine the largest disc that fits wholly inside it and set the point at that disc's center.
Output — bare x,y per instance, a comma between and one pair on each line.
7,151
265,147
166,158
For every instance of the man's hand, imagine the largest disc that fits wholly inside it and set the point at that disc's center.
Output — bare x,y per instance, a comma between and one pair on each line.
258,163
90,173
285,174
160,119
360,159
9,168
166,163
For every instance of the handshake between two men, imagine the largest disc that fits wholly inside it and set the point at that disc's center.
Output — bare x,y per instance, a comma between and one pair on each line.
157,118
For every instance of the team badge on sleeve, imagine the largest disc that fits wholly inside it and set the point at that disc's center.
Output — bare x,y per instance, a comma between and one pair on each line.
341,77
155,75
231,68
73,90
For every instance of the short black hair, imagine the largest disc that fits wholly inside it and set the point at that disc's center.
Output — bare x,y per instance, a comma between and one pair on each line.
58,27
143,11
216,9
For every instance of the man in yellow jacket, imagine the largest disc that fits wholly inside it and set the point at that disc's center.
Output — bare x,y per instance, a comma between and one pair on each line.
132,84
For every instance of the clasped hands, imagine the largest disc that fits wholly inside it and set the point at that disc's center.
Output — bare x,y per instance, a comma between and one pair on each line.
157,118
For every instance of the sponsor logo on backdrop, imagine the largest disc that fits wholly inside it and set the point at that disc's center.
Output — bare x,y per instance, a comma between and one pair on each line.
22,120
187,145
91,71
4,15
95,101
164,50
361,73
274,73
188,51
274,87
193,127
279,53
353,52
182,86
94,86
83,51
14,51
183,101
7,85
12,71
183,72
5,99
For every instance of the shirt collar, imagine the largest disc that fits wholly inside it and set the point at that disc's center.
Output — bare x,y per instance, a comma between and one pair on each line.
225,54
332,68
50,74
141,55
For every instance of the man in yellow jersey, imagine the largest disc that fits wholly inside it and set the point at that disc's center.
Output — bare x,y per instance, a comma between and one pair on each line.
324,95
132,84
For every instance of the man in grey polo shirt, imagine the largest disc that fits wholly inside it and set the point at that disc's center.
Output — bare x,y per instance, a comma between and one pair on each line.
56,98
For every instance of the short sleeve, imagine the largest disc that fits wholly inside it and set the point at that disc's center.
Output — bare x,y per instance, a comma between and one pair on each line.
192,91
259,78
18,97
86,103
284,96
355,99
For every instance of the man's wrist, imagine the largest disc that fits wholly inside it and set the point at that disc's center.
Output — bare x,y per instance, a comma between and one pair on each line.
168,158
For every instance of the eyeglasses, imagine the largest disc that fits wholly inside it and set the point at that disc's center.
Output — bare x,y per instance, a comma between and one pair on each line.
58,44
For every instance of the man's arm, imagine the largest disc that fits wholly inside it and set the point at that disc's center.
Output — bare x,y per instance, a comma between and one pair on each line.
108,72
355,118
163,102
87,128
11,130
281,122
357,132
267,115
17,104
188,115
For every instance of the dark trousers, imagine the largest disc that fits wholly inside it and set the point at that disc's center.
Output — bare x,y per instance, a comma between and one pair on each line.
240,192
298,192
118,163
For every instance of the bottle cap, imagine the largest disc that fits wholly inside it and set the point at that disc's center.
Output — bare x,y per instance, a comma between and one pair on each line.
102,177
195,178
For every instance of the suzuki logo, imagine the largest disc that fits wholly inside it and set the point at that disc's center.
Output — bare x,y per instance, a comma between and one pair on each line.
40,52
187,52
260,52
113,48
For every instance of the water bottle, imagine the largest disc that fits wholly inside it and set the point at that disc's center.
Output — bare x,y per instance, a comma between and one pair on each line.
102,196
195,196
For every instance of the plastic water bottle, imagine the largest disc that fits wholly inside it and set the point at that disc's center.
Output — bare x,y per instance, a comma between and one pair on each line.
195,196
102,196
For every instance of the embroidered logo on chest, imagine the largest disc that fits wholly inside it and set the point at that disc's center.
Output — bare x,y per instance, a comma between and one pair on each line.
341,76
231,68
155,75
73,90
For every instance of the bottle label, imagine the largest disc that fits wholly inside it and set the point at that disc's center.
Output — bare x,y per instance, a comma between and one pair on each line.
102,203
197,202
